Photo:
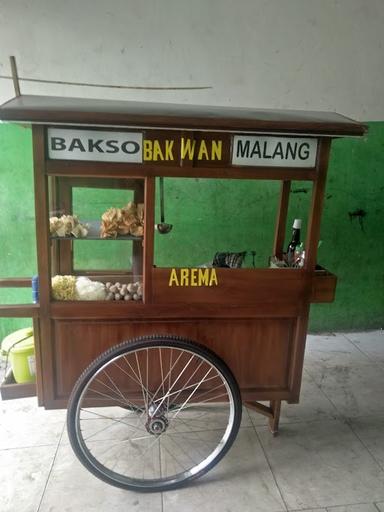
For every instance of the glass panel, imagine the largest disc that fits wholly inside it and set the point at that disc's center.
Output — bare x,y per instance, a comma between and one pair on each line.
105,250
211,216
98,287
299,203
102,255
90,204
215,215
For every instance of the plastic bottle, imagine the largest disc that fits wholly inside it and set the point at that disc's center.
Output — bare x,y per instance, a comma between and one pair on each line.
35,289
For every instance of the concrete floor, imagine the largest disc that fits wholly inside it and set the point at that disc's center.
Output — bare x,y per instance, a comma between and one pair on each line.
329,455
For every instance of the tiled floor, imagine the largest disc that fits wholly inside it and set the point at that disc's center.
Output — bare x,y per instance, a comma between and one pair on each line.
329,455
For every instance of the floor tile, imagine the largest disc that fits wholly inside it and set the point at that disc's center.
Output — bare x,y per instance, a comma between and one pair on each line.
73,485
355,389
242,481
23,423
371,432
315,510
332,350
369,507
313,406
322,464
23,474
371,343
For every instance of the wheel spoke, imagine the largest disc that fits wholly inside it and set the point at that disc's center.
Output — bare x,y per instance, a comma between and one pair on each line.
183,413
193,392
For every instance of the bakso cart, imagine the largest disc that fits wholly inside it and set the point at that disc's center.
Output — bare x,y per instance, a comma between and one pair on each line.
156,360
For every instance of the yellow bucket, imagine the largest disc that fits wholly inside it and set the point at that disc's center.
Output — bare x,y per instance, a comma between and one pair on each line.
20,347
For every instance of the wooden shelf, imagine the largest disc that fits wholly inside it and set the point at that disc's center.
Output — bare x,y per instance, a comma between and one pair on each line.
94,234
10,389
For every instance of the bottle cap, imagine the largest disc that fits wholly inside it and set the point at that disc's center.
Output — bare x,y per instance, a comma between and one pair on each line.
297,224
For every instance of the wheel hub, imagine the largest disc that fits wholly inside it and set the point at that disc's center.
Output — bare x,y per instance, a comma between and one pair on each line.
156,423
157,426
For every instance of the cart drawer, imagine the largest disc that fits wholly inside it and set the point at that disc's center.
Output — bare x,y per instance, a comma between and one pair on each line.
323,286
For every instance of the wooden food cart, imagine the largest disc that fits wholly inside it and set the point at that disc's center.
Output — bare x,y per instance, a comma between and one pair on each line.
156,412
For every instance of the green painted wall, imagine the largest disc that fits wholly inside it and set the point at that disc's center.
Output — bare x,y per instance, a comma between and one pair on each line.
223,215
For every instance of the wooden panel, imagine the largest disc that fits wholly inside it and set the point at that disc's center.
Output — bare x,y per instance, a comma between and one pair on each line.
121,170
149,227
19,311
92,111
235,286
43,262
120,310
12,391
257,351
324,287
16,282
317,201
77,344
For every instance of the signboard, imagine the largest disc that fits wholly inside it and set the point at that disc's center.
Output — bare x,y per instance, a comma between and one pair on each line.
95,145
267,151
173,148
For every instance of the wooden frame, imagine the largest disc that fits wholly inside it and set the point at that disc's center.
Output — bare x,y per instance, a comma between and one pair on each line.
260,335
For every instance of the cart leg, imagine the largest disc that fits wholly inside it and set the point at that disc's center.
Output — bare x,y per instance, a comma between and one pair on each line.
272,412
275,406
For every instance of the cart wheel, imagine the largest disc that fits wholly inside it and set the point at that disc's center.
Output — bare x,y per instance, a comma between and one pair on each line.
154,413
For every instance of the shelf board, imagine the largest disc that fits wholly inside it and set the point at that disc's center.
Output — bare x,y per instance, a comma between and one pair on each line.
9,389
94,234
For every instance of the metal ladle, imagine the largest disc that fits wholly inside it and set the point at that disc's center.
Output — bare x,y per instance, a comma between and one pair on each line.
163,228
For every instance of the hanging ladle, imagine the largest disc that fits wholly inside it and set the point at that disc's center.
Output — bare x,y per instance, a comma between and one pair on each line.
163,228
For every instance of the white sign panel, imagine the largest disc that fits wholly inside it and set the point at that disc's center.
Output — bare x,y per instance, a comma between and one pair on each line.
274,151
95,145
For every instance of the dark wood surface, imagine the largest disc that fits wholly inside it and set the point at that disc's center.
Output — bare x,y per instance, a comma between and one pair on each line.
12,391
316,208
256,350
120,170
235,286
51,109
44,341
19,310
16,282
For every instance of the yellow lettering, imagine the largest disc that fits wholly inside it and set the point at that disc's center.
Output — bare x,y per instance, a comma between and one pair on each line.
216,149
187,148
173,278
203,151
203,276
194,276
157,153
147,150
168,149
184,279
213,278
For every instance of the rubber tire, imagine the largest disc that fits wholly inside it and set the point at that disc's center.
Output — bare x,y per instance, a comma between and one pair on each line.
147,342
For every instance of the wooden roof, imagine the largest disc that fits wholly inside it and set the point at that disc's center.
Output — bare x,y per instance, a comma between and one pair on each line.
57,110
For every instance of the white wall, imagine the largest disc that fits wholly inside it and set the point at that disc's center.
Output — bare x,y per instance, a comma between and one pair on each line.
306,54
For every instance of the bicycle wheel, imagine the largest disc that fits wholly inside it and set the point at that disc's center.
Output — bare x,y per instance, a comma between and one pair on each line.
153,413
